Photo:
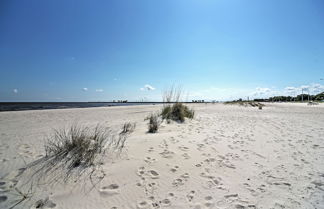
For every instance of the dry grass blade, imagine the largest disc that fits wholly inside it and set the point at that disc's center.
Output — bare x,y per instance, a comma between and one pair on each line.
173,94
127,129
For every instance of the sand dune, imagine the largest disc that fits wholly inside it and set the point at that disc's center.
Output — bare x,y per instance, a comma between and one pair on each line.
227,157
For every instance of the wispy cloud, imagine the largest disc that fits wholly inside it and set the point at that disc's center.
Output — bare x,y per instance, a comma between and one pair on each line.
222,94
99,90
261,91
291,88
304,88
85,89
15,91
317,88
313,88
147,87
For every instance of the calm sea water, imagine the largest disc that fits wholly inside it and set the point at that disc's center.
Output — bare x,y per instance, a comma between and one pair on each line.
16,106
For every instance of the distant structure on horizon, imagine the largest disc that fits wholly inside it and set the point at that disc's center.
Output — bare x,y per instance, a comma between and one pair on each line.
198,101
120,101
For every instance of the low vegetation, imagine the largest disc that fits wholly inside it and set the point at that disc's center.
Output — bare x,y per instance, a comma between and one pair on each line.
177,112
154,123
77,150
245,103
299,98
172,109
127,129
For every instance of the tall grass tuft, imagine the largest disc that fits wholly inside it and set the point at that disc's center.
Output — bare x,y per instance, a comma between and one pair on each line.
154,123
177,112
76,151
173,94
77,147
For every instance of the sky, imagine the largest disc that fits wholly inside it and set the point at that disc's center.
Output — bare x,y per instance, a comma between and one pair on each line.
86,50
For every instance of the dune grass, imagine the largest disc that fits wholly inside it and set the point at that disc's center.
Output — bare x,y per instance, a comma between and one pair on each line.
78,150
154,123
128,127
245,103
177,112
77,147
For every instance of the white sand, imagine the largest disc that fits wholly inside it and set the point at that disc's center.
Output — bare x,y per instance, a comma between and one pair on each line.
227,157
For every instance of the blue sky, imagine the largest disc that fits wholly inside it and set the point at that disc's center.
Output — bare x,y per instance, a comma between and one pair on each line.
66,50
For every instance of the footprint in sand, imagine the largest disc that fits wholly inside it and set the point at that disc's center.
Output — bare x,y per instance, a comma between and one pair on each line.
190,195
174,169
171,194
185,175
141,171
200,147
3,198
5,186
209,202
5,160
143,204
178,182
149,160
109,190
185,156
165,202
167,154
183,148
43,204
210,160
153,174
198,165
173,140
207,175
231,196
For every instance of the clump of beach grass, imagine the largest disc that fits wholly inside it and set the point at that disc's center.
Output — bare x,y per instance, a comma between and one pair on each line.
70,154
128,127
154,122
78,146
77,150
176,111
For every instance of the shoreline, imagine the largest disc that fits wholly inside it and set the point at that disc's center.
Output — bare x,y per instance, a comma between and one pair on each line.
28,106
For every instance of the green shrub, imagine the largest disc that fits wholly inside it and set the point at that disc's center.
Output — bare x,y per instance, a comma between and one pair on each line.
154,123
166,112
177,112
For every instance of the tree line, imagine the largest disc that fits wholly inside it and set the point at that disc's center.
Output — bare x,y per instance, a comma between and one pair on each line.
298,98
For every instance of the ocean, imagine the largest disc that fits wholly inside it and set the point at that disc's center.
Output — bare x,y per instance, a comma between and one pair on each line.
18,106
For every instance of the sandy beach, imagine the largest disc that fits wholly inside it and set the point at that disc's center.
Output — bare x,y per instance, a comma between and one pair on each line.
228,156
